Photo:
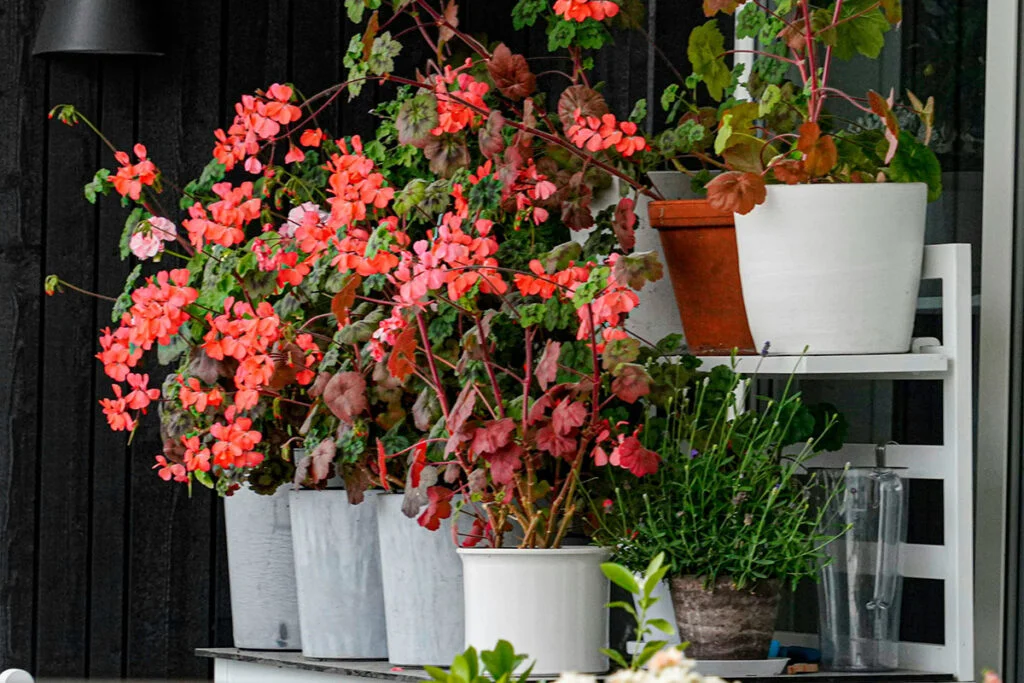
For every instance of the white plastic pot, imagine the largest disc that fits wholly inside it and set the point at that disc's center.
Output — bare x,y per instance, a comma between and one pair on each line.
835,268
550,604
337,570
423,597
261,567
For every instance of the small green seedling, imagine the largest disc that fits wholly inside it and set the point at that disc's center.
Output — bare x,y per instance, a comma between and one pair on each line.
499,666
644,592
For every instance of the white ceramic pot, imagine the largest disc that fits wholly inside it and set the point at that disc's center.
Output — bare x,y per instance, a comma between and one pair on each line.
657,316
337,570
261,567
550,604
423,597
833,267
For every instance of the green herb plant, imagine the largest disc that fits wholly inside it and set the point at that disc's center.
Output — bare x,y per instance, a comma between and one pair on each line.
730,497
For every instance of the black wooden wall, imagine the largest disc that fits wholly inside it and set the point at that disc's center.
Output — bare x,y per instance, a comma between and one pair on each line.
105,570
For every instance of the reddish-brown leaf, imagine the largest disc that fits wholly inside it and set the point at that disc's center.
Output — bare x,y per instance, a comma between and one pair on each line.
357,480
345,395
790,171
451,17
631,382
511,73
567,416
820,154
883,109
491,140
402,361
447,154
713,7
319,384
370,35
624,224
586,99
737,192
342,302
794,35
504,462
439,507
492,436
547,368
637,269
287,363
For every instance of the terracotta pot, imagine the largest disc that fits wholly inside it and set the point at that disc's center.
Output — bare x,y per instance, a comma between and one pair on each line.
700,252
725,623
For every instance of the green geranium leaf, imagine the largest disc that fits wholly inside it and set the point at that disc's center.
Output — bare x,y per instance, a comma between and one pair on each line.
356,8
916,163
383,53
124,302
771,96
639,113
416,118
864,34
98,185
669,96
526,13
705,51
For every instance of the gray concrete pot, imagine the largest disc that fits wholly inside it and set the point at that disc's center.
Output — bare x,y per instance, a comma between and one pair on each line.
261,565
423,596
337,570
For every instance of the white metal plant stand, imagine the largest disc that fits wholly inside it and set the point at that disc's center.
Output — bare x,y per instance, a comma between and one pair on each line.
948,361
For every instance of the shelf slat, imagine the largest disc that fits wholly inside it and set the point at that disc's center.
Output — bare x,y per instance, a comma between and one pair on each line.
896,366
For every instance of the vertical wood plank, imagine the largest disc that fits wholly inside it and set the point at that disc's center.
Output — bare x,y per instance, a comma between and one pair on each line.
22,136
69,392
116,117
169,575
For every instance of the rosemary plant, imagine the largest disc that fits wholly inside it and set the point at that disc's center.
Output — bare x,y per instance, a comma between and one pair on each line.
732,496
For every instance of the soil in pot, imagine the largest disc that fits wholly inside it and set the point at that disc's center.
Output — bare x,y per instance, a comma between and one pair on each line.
700,254
725,623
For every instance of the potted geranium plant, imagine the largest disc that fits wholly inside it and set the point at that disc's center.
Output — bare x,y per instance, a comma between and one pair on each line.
405,285
830,208
729,508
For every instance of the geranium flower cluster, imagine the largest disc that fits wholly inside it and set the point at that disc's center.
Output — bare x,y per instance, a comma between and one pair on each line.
455,92
245,335
598,134
224,221
148,239
156,314
258,119
130,178
581,10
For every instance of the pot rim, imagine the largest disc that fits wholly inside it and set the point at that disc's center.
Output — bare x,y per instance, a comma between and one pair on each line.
682,214
567,550
845,187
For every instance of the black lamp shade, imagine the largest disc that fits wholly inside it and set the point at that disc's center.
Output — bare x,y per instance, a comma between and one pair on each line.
102,27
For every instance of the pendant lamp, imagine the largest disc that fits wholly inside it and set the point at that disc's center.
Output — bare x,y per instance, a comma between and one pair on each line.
101,27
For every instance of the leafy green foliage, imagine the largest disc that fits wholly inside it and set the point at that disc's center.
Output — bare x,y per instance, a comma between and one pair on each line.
97,186
729,499
200,188
490,666
860,30
526,12
705,50
916,163
643,593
